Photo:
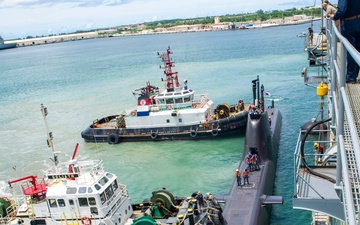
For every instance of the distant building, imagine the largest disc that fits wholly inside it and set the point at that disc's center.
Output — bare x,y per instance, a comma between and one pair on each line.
141,27
217,19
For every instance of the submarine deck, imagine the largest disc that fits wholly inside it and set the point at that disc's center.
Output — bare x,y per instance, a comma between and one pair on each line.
242,202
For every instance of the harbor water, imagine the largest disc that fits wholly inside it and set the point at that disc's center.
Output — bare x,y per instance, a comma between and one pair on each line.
81,81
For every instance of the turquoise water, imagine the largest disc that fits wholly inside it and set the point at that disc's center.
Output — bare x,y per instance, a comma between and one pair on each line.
84,80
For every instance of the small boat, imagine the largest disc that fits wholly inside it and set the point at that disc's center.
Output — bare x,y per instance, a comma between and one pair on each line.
302,34
6,46
174,113
83,192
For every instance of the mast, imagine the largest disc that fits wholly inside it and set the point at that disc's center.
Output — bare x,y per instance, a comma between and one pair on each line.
49,135
172,82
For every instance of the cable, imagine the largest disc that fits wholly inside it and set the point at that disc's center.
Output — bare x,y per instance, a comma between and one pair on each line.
302,153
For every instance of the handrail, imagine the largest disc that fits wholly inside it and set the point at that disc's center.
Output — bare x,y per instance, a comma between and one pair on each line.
341,108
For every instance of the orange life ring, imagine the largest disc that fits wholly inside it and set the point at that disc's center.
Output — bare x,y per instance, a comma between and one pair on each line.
133,113
86,220
169,107
121,189
193,105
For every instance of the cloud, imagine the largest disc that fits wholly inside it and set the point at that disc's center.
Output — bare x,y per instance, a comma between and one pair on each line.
47,3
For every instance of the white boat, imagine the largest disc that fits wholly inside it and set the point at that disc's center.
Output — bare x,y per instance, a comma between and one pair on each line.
174,113
6,46
82,192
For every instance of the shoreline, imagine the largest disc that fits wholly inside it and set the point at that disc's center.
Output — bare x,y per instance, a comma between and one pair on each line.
170,30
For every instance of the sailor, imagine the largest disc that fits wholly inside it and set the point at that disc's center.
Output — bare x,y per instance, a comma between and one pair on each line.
269,119
238,177
185,85
255,162
311,35
200,200
319,151
246,176
241,106
248,161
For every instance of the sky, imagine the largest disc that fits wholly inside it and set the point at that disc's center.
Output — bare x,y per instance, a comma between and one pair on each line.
21,18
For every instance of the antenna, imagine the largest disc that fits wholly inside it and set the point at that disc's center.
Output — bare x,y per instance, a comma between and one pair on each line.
49,135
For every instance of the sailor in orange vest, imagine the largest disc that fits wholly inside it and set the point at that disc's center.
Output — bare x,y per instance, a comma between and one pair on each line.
248,161
255,162
319,149
246,176
238,177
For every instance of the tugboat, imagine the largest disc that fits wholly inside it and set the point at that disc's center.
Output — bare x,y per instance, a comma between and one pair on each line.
82,192
174,113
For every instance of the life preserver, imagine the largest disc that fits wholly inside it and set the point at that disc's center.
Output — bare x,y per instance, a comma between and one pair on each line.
113,139
215,132
133,113
85,220
193,105
193,133
169,107
121,189
153,135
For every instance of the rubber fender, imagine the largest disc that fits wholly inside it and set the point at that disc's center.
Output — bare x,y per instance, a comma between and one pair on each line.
145,220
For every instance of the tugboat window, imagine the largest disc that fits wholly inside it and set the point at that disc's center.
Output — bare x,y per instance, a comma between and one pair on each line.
187,99
70,191
115,185
109,175
92,201
169,101
178,100
52,203
97,187
180,120
102,197
61,202
90,190
168,121
94,211
83,202
82,190
103,181
71,202
109,192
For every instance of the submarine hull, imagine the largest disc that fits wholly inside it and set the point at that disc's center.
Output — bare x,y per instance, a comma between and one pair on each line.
250,203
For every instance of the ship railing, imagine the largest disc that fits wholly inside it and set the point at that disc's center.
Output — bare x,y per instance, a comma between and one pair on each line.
345,118
315,161
198,102
91,166
94,166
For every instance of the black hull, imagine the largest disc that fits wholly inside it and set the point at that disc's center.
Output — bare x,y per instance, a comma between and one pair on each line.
226,126
253,203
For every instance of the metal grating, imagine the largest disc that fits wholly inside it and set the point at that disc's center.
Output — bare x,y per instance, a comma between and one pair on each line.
353,92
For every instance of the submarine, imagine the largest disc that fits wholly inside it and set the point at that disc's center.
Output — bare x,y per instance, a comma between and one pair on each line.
250,203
